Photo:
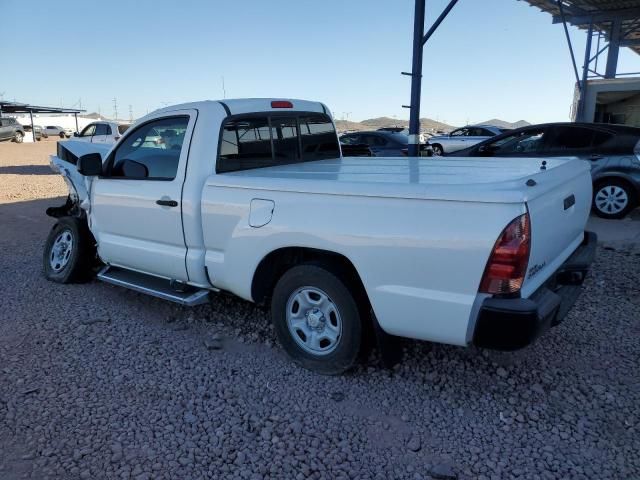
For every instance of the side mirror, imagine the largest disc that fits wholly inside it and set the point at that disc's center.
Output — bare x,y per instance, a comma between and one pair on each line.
90,164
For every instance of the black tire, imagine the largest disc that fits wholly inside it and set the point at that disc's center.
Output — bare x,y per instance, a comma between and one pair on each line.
347,347
80,257
614,188
18,137
438,151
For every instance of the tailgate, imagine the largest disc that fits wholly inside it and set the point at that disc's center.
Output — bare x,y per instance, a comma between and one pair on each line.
558,218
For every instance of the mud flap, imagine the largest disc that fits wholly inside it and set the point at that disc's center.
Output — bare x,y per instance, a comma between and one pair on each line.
389,346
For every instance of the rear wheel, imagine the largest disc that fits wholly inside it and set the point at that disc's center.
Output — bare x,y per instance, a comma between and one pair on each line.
613,198
18,137
317,319
69,252
438,150
61,135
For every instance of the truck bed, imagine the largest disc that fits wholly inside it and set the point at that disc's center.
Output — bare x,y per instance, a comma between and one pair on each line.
457,179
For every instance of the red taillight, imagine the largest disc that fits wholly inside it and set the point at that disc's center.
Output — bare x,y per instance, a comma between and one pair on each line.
507,265
281,104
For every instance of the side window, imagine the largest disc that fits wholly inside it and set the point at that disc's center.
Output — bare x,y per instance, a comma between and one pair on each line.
486,133
152,151
572,138
350,139
318,138
527,142
101,129
88,131
461,132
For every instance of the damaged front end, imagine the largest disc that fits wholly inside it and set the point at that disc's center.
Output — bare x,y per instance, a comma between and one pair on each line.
65,163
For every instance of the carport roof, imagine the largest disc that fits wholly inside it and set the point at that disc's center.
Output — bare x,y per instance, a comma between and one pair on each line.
15,107
581,12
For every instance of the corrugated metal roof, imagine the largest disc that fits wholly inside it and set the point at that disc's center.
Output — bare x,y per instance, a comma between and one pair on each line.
581,8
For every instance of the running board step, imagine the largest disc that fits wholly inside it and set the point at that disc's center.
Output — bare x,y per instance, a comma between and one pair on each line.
154,286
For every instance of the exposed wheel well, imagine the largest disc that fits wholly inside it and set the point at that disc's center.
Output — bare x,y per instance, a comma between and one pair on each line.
274,265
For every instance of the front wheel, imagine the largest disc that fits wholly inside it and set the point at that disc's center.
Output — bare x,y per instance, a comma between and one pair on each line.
438,151
613,199
18,137
68,252
317,320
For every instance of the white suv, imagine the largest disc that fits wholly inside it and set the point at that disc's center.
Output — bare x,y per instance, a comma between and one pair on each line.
102,132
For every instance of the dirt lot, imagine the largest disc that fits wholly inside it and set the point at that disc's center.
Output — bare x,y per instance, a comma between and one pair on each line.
99,382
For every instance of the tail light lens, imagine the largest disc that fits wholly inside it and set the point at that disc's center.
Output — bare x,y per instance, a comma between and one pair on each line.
507,265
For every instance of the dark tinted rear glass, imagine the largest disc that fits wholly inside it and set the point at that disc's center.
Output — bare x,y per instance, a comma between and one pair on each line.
255,142
122,128
318,138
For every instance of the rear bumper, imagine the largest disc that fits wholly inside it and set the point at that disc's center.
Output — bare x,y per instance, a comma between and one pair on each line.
513,323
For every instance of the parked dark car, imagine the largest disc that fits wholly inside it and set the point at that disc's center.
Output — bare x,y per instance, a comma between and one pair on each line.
10,129
612,150
381,143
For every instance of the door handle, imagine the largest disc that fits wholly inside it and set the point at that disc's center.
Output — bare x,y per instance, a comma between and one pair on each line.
167,203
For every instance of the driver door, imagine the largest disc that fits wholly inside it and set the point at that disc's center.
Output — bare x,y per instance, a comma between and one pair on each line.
136,205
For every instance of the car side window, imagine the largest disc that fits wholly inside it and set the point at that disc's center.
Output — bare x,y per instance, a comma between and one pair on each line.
486,133
461,132
151,151
88,131
526,142
572,139
349,139
101,129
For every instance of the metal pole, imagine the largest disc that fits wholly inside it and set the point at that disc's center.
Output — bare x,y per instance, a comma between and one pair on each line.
76,115
438,21
416,79
614,49
566,33
585,73
33,129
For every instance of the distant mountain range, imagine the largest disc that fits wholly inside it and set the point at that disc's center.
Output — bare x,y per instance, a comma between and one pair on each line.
426,124
496,122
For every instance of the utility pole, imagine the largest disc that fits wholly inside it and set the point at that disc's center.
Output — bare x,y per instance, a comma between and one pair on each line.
115,108
224,91
130,114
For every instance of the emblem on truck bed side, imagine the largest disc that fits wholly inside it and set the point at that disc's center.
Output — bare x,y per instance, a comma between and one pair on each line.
535,269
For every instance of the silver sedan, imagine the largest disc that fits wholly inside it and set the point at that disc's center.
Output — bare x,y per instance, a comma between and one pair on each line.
463,138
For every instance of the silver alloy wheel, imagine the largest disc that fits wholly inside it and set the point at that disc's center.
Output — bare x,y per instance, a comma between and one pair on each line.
611,199
18,137
314,321
437,151
61,250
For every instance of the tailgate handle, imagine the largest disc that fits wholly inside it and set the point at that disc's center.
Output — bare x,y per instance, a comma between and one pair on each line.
569,202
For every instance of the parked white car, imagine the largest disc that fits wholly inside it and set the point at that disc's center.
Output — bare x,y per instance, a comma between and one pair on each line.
58,131
254,198
462,138
102,132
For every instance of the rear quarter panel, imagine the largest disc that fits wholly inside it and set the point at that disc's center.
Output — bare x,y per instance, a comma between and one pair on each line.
420,260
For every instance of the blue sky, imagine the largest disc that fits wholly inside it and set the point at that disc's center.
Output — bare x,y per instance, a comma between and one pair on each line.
490,58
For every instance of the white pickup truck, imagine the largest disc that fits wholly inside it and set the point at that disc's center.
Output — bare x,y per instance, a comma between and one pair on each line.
254,198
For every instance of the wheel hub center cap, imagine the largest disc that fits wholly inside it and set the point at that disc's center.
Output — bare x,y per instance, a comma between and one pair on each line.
315,319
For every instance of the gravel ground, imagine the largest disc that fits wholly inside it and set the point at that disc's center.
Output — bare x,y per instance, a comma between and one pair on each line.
100,382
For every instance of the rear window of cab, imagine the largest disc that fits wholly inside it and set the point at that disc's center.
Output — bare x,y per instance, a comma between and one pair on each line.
258,141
